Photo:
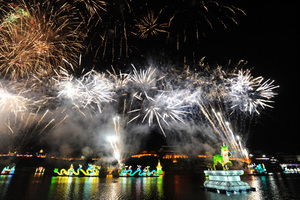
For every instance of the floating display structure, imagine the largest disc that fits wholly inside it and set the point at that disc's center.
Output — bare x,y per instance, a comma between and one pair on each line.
225,180
39,170
92,170
146,172
8,171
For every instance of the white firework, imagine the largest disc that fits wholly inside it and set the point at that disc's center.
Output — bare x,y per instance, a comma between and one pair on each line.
249,94
164,107
14,99
120,81
145,78
12,102
91,88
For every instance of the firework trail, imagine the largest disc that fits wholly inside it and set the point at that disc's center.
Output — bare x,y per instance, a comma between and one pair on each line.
164,107
119,81
91,89
35,38
144,80
149,26
162,99
13,103
222,127
195,17
145,88
125,25
93,8
248,93
213,95
115,140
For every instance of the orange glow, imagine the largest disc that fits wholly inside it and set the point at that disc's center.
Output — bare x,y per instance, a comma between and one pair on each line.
143,154
44,156
175,156
245,160
26,155
68,159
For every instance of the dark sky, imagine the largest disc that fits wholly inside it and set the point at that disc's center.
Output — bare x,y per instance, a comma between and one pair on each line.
268,38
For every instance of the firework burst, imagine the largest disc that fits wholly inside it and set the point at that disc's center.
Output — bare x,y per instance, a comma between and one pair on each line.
92,88
13,103
145,79
248,93
165,107
36,40
93,7
120,81
149,25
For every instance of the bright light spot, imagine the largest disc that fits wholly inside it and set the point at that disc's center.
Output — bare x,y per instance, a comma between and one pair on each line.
112,138
117,155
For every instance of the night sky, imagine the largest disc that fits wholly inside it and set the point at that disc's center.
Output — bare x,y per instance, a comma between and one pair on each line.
268,38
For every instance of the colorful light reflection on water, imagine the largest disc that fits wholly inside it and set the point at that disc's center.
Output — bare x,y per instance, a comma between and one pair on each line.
272,186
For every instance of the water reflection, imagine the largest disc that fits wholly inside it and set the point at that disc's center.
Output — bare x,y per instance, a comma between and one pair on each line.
141,187
274,186
271,186
4,183
73,187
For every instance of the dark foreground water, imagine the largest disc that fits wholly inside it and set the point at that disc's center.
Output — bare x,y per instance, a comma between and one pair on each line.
272,186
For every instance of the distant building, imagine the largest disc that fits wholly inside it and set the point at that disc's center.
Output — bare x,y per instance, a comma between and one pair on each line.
289,158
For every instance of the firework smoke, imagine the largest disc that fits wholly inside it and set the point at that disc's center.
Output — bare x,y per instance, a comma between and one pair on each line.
161,100
91,89
41,92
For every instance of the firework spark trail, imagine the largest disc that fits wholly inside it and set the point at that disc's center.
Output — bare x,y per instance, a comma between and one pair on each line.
117,125
114,140
13,102
163,107
222,128
152,97
208,117
91,88
192,21
16,104
93,7
155,103
119,81
248,93
225,129
149,25
144,78
36,41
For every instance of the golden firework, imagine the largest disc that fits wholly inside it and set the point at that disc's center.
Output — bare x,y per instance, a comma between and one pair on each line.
36,37
149,25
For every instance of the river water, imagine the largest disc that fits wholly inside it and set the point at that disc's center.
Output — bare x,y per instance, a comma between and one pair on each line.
22,186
